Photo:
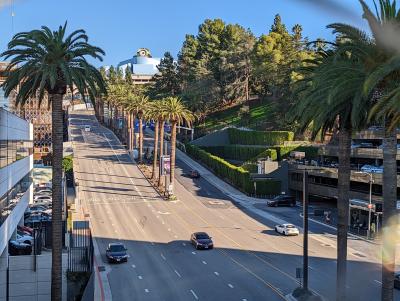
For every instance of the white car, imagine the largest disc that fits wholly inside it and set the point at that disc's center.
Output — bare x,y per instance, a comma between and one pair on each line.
42,198
44,192
87,128
287,229
27,239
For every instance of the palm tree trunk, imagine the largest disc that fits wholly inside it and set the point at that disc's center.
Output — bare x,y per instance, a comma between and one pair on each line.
389,193
156,130
173,149
160,179
128,131
133,131
56,224
343,210
140,139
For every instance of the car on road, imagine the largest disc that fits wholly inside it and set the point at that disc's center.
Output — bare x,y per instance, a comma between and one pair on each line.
22,237
194,174
282,200
87,128
201,240
19,248
116,252
397,280
287,229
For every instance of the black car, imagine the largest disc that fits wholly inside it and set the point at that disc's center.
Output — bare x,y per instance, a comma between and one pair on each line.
19,248
201,240
194,174
116,252
397,280
282,200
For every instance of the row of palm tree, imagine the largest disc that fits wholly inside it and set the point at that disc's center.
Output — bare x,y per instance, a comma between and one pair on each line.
133,104
347,87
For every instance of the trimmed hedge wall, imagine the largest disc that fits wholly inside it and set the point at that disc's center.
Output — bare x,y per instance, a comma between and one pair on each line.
284,151
237,176
259,137
241,152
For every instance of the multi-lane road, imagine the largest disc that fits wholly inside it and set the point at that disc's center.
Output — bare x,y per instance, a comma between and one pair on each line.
249,261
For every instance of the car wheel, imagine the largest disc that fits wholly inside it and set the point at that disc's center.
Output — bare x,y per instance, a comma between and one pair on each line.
276,230
284,233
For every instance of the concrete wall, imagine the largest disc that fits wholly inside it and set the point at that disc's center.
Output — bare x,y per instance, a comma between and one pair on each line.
214,139
3,274
25,284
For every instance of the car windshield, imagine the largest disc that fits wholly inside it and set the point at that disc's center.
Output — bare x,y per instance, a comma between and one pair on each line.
117,248
202,236
279,197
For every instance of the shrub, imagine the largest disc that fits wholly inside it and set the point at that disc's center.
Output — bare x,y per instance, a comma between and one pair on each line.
259,137
284,151
241,152
237,176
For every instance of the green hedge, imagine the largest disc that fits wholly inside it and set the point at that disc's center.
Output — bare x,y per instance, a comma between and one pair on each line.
259,137
241,152
284,151
237,176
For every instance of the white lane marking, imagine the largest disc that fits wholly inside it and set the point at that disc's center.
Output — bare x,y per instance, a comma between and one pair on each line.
146,290
204,262
140,277
152,243
194,295
216,273
183,244
169,229
134,266
244,299
163,257
158,216
377,281
194,253
176,272
163,222
230,285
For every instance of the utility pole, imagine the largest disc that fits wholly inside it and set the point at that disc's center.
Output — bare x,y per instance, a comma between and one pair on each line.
305,229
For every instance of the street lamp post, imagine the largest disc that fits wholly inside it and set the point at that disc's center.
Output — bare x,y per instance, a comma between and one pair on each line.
305,229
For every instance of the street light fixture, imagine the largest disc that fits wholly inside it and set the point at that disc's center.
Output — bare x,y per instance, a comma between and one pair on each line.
371,181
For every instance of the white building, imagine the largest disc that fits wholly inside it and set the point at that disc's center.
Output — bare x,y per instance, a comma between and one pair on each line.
16,188
142,65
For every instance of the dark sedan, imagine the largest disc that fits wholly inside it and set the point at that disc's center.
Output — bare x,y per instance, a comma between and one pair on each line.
116,252
19,248
194,174
282,200
397,280
201,240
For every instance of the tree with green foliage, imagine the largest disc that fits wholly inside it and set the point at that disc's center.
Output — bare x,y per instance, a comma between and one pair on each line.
166,82
47,63
128,75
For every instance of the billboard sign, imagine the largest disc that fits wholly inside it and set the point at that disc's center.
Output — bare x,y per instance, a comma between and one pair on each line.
166,165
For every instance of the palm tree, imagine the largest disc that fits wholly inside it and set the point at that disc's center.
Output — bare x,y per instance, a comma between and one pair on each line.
156,114
383,83
163,111
176,112
45,61
141,105
332,96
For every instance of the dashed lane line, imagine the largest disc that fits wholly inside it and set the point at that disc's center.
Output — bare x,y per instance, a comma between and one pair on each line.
176,272
194,295
216,273
230,285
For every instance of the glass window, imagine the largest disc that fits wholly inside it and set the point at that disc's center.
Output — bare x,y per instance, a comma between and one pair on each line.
3,153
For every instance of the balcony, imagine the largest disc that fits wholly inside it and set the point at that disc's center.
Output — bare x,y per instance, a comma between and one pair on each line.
366,153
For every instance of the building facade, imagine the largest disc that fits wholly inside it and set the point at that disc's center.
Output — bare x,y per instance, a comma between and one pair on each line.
366,177
16,185
142,65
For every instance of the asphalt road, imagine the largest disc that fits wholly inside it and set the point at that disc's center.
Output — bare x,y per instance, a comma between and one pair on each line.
249,262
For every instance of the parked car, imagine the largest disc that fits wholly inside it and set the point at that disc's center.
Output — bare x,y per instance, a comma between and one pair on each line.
19,248
22,237
287,229
397,280
194,174
36,218
372,168
25,229
201,240
87,128
116,252
46,191
42,197
282,200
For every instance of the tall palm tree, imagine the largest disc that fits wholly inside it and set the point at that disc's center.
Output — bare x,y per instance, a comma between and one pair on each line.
45,61
161,125
332,96
176,112
156,114
141,105
383,83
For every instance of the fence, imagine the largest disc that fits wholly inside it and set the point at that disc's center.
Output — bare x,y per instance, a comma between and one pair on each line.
80,253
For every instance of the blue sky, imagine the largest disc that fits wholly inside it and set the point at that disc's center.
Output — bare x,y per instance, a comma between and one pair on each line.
120,27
